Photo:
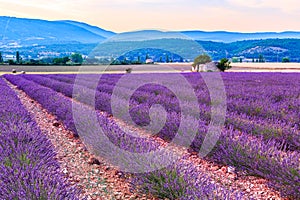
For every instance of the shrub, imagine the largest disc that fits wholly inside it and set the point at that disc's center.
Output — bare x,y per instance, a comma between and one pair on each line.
224,64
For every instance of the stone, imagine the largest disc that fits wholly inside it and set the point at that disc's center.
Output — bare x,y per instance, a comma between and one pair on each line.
194,153
231,169
65,171
224,169
93,161
56,124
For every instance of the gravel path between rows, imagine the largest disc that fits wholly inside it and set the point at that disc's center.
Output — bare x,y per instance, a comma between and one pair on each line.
103,181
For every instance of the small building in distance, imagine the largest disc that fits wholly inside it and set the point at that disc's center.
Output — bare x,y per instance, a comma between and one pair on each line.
208,67
149,61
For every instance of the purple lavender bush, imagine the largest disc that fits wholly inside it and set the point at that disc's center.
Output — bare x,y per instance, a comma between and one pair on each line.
28,166
117,136
181,181
246,111
261,133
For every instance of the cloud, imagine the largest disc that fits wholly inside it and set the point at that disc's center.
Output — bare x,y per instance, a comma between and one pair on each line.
283,5
121,15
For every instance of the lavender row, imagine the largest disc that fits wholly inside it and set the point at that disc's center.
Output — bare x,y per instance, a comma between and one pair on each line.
269,94
62,108
235,148
262,95
27,158
140,116
238,101
142,101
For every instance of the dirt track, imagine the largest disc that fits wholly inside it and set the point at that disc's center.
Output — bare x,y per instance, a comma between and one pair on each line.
152,68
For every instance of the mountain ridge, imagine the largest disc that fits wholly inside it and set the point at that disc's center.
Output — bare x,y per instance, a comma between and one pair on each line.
227,37
26,32
36,38
64,31
94,29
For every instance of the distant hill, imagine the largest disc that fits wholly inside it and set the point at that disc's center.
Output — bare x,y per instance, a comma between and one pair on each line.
21,32
16,32
228,37
215,36
272,50
93,29
187,49
145,35
36,38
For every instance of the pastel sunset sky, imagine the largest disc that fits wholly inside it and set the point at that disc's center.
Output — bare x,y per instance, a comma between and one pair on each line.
130,15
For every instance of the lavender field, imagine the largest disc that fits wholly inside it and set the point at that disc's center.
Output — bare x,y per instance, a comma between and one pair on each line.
260,134
27,161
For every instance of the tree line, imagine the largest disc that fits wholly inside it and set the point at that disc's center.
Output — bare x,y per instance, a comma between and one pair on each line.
73,59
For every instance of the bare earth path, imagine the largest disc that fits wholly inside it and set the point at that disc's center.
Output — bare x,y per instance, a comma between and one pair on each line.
103,181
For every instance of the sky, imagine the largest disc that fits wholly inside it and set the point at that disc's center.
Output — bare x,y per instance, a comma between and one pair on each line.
132,15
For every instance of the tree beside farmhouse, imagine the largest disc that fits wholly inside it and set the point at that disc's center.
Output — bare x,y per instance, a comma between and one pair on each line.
200,61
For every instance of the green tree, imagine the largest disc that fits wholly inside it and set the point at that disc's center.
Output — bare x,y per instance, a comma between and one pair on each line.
125,61
235,60
167,58
261,58
285,60
128,70
1,58
224,64
201,60
160,59
76,58
18,57
61,61
11,62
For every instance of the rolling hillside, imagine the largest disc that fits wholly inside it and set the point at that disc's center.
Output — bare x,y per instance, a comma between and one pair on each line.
272,50
93,29
17,32
229,37
36,38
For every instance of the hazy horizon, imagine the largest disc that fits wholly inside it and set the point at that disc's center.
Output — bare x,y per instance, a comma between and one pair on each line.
177,15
